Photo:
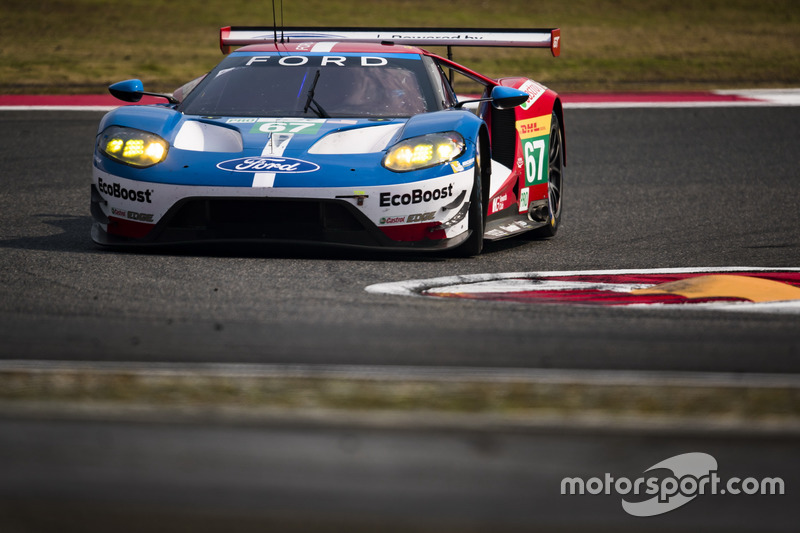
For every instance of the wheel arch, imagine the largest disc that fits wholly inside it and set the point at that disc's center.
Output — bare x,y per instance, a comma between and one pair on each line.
558,109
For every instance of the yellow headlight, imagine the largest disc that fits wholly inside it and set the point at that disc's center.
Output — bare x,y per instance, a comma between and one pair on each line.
155,151
114,145
444,151
424,151
132,147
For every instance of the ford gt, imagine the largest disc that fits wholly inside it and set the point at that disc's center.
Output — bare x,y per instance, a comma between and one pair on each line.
335,136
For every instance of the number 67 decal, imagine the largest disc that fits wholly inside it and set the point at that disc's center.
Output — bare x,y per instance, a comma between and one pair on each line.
535,170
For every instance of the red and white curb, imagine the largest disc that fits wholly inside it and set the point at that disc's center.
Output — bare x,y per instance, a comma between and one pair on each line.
771,290
721,98
726,98
66,102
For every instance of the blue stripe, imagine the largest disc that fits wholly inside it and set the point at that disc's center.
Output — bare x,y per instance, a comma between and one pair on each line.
302,84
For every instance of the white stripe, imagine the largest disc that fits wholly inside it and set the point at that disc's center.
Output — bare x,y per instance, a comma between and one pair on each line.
500,173
276,145
673,105
324,47
264,179
788,97
756,98
776,102
532,285
759,98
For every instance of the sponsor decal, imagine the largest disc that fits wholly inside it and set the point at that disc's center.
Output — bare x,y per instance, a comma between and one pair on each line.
141,217
535,151
533,89
392,220
421,217
277,165
416,196
499,203
457,167
534,127
130,215
433,36
322,61
511,228
277,125
118,191
535,136
524,200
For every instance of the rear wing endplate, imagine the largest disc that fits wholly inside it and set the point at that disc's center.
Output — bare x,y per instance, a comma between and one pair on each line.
522,38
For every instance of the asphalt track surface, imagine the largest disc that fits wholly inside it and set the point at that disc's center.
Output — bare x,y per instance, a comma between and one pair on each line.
644,189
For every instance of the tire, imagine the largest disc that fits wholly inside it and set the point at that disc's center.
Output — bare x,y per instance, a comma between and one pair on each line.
555,182
477,214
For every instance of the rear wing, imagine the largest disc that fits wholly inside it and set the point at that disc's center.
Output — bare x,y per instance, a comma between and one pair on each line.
522,38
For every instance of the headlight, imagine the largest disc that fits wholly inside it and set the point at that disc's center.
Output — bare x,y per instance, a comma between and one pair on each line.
132,147
424,151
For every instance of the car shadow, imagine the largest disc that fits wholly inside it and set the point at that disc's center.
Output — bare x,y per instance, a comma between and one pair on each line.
72,237
74,231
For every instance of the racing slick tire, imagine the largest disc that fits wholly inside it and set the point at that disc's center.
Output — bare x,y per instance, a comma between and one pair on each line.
477,214
555,183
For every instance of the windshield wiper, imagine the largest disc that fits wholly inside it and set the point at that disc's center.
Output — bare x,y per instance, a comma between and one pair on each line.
317,108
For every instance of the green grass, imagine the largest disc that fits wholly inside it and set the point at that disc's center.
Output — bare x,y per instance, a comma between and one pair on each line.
81,46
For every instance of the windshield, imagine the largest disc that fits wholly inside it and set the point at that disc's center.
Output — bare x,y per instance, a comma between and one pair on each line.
266,84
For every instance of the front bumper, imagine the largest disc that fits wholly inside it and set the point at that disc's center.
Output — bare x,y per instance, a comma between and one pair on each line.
263,220
428,214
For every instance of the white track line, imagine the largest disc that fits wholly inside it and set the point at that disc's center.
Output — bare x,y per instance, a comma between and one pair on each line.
753,98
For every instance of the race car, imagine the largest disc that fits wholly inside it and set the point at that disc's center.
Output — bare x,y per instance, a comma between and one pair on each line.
335,136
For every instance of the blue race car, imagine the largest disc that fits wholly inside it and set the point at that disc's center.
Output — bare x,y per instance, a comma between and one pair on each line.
351,137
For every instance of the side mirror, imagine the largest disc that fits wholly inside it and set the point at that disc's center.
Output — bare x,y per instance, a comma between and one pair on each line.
133,90
501,98
128,90
507,98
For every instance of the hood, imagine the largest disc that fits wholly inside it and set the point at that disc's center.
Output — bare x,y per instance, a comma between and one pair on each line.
300,152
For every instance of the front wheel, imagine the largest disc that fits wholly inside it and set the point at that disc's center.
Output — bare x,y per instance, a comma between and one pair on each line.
555,182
